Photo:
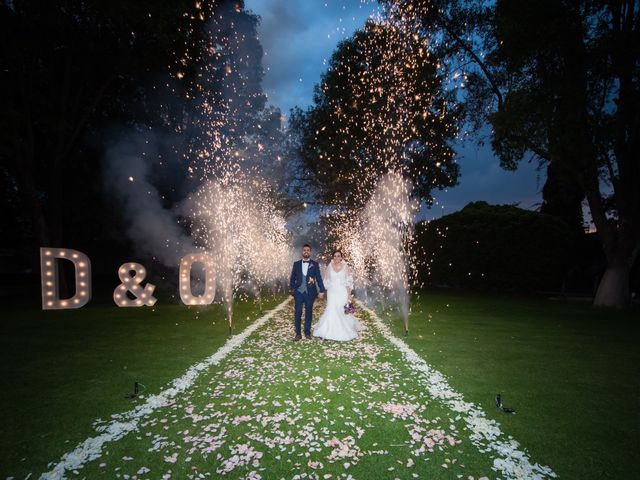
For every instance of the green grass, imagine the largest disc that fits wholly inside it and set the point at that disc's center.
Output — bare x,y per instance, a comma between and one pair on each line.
572,372
295,397
60,370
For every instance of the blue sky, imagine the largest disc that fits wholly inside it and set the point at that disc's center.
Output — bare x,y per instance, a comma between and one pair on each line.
299,37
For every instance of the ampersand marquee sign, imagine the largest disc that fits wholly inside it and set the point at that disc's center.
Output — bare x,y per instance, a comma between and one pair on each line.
131,283
130,293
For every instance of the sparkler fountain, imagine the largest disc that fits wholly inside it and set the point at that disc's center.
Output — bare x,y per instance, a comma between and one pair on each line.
245,233
235,144
382,119
230,146
379,242
233,214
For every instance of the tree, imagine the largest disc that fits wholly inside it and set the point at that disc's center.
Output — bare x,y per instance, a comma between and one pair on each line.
562,197
231,133
381,106
568,93
78,74
496,246
70,68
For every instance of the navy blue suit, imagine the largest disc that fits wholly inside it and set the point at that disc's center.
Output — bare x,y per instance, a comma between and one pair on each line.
305,298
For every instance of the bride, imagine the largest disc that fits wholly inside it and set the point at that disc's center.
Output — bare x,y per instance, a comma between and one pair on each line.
334,324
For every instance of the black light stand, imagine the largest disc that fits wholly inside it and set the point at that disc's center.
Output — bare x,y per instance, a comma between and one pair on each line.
136,390
499,405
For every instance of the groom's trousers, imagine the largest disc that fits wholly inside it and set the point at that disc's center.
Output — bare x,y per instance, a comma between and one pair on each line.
303,300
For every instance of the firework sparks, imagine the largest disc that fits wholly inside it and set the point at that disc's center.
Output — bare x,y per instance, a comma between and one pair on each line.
233,215
236,152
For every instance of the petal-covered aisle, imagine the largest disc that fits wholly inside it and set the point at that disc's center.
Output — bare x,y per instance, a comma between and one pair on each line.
271,408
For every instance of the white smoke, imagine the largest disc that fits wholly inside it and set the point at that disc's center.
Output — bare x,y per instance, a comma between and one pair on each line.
153,229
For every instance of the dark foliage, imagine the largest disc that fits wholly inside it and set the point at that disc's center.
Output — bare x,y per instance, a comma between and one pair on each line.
382,105
69,70
77,76
496,246
560,80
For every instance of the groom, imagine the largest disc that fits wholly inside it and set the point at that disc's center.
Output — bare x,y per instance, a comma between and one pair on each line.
305,284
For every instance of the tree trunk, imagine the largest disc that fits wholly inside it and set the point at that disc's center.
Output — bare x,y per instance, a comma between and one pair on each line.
613,290
562,196
620,249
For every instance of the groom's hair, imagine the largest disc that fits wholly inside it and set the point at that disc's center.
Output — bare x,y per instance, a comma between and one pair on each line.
306,245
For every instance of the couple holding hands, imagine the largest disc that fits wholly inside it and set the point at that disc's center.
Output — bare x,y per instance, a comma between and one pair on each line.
306,283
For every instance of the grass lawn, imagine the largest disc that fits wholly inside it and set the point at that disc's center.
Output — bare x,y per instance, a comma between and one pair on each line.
572,372
61,370
276,409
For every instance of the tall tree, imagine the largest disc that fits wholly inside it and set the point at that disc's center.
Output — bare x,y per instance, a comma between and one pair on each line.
381,106
69,68
559,79
562,197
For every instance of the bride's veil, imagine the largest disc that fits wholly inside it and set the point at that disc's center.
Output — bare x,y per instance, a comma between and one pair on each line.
328,271
326,278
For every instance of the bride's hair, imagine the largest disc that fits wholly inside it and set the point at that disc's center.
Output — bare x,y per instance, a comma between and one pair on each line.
337,250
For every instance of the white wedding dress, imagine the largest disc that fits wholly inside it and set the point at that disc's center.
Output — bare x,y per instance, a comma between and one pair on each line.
334,324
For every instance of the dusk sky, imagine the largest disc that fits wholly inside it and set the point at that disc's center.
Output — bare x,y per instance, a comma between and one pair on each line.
299,37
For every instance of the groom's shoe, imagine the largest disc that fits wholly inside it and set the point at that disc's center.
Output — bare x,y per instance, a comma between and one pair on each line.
307,336
297,337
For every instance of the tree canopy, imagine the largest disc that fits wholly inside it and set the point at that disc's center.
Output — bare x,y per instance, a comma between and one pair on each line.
381,106
70,68
77,76
558,80
496,246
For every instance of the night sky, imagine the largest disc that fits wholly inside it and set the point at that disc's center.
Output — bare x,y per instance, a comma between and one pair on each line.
299,37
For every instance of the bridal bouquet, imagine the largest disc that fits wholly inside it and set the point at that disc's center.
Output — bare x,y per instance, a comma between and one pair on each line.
349,308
